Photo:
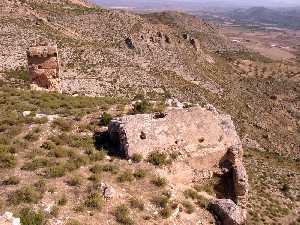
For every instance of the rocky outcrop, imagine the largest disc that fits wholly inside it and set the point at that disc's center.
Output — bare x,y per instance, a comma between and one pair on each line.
196,131
43,66
228,212
8,219
202,137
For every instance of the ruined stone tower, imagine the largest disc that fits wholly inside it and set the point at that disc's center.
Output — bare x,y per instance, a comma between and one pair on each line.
43,66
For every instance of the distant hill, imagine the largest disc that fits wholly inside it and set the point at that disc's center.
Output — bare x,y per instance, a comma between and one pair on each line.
289,18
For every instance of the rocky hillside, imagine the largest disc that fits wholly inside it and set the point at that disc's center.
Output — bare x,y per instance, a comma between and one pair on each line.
154,57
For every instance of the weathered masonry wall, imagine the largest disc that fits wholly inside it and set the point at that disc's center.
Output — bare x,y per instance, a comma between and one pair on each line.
43,66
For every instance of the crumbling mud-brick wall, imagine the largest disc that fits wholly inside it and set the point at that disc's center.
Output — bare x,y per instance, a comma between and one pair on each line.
43,66
204,139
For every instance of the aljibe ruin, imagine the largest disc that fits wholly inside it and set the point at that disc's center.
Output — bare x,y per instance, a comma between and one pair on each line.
205,140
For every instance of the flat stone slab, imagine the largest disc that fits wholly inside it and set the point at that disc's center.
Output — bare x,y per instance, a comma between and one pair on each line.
195,131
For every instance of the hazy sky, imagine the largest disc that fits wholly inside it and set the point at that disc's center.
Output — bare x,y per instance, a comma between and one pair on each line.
233,3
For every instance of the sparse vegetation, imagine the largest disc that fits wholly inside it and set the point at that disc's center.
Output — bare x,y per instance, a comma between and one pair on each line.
158,158
94,201
63,124
136,158
106,118
189,207
122,215
126,176
159,181
13,180
74,181
30,217
7,159
27,194
140,174
136,203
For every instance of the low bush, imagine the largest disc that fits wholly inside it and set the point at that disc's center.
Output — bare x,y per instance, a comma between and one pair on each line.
96,155
74,181
12,181
62,200
114,169
190,193
140,174
28,194
161,201
63,124
158,158
94,201
33,135
202,202
136,158
166,212
189,207
30,217
106,118
141,107
126,176
54,211
7,159
73,222
159,181
56,171
122,215
136,203
36,164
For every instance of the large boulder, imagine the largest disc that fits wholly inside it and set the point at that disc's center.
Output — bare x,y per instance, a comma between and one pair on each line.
228,212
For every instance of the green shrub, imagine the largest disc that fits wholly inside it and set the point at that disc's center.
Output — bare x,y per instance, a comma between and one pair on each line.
122,215
202,202
76,162
141,107
12,181
158,158
114,169
48,145
161,201
136,203
33,135
106,119
74,181
136,158
36,164
63,124
95,178
56,171
189,207
126,176
7,159
190,193
30,217
166,212
27,194
96,169
94,201
96,155
40,186
61,152
159,181
140,174
54,211
62,201
73,222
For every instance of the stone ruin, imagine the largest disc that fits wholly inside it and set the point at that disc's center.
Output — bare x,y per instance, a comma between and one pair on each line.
43,66
204,140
